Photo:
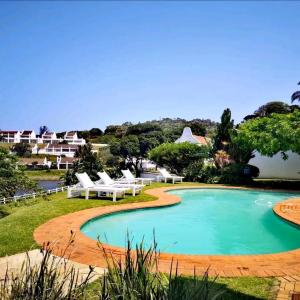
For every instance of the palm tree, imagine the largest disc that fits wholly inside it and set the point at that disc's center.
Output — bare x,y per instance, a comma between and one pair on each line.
296,95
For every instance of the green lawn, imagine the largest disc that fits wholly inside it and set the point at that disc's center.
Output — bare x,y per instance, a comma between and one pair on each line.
52,174
19,220
243,288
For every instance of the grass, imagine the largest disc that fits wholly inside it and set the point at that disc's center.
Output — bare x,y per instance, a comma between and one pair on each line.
45,174
243,288
20,219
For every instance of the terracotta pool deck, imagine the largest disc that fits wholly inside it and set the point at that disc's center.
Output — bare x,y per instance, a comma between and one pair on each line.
85,250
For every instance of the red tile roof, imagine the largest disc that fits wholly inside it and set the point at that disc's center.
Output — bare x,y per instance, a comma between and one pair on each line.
200,139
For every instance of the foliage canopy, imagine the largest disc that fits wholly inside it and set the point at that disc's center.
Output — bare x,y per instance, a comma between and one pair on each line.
178,157
273,134
12,176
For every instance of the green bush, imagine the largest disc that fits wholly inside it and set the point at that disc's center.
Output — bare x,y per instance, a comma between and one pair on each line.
136,277
178,157
51,279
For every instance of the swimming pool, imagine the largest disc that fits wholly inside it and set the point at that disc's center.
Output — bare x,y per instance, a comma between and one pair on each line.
207,221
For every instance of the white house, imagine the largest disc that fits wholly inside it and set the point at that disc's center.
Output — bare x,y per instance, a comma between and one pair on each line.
48,137
61,149
10,136
71,137
28,136
64,162
35,161
188,136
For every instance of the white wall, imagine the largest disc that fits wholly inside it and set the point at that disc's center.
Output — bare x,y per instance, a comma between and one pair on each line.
276,167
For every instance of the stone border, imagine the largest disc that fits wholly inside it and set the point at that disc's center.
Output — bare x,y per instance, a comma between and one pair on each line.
85,250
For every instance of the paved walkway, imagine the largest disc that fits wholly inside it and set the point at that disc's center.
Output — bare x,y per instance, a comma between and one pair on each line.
86,251
13,264
289,285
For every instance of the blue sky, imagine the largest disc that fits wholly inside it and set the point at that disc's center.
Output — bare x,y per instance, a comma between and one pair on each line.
78,65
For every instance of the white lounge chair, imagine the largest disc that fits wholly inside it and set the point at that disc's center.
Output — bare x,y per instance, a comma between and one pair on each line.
86,185
129,178
165,175
136,188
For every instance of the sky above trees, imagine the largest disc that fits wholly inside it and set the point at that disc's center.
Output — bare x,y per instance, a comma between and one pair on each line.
78,65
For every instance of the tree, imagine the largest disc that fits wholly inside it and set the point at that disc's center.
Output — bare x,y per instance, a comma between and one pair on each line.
88,162
95,132
43,129
270,135
239,151
12,176
130,151
178,157
269,108
116,130
222,138
197,128
296,95
22,149
132,148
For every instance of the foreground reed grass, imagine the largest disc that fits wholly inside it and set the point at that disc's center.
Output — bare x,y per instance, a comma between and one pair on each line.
132,277
50,279
136,277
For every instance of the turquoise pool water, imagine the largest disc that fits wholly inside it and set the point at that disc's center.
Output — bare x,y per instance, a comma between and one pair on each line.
207,221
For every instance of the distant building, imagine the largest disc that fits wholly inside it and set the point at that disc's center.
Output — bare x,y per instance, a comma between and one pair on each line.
34,162
67,150
49,137
71,137
10,136
65,162
188,136
29,136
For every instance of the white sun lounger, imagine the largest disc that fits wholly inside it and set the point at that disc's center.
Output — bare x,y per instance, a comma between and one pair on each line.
165,175
136,188
86,185
129,178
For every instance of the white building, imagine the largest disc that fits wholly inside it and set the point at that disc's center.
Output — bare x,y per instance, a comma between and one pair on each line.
67,150
277,168
10,136
188,136
48,137
29,136
71,137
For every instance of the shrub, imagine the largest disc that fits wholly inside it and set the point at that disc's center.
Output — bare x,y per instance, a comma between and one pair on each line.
238,174
178,157
51,279
193,171
137,277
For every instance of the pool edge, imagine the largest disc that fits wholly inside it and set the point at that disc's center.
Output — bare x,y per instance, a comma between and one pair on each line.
85,249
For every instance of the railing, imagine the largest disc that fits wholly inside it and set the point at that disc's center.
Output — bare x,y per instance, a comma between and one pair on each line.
33,195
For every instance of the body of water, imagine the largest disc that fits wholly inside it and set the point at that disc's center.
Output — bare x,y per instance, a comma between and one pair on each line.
207,221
